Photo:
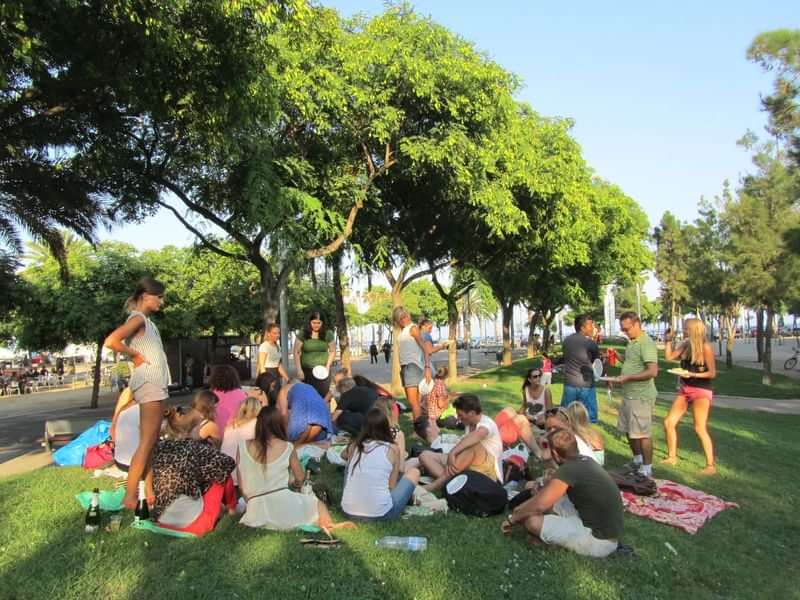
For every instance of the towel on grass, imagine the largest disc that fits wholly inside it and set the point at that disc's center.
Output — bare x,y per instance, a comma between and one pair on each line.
677,505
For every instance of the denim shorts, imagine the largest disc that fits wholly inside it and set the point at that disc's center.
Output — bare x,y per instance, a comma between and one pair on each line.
411,375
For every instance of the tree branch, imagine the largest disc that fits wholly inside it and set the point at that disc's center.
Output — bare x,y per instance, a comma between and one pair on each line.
203,240
428,271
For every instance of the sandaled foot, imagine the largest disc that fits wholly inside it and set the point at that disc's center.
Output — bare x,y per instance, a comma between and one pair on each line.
343,525
709,470
670,460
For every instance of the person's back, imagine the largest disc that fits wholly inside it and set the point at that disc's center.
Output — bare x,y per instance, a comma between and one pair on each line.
366,490
579,352
595,497
258,477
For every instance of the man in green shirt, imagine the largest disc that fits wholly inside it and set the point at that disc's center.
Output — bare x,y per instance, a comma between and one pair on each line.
579,508
639,371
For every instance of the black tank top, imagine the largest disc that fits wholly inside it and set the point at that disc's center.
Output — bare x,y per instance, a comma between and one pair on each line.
686,363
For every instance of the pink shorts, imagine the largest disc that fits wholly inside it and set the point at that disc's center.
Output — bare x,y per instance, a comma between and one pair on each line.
150,392
692,393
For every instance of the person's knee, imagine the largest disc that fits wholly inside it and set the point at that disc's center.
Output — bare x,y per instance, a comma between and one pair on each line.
412,475
534,524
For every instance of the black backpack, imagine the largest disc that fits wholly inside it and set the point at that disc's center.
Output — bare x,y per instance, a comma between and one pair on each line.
473,493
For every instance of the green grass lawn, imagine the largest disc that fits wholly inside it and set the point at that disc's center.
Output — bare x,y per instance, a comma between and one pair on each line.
750,552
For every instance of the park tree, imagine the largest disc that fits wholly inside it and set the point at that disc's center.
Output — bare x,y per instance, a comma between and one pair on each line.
672,253
765,267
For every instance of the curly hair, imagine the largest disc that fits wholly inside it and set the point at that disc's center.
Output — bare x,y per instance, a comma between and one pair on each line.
224,378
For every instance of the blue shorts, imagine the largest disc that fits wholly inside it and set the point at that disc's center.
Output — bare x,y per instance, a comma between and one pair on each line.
411,375
585,395
401,494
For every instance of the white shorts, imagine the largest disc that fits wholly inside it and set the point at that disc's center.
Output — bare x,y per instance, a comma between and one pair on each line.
566,529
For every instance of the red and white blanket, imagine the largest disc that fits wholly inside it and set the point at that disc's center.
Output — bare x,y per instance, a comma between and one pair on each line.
676,505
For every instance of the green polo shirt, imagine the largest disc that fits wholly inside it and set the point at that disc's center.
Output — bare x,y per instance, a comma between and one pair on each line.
640,351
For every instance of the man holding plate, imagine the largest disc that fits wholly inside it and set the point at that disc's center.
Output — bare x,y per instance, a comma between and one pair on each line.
639,370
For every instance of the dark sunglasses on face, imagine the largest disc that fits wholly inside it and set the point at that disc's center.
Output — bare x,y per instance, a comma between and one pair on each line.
551,412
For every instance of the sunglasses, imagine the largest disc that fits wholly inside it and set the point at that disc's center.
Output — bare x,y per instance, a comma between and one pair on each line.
551,412
536,376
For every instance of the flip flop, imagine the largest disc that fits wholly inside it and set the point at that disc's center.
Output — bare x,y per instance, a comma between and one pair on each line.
316,542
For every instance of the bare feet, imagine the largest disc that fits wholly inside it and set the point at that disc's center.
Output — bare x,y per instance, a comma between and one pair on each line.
670,460
709,470
129,501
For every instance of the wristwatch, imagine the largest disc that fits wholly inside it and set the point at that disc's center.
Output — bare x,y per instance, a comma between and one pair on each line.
508,520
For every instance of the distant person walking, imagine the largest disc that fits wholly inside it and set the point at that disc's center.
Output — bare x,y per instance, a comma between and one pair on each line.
415,361
387,350
639,370
373,353
138,337
580,351
697,357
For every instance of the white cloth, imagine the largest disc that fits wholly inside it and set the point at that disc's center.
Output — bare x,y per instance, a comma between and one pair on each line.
492,443
233,436
272,355
410,352
584,449
148,343
182,512
282,509
126,437
366,488
566,529
530,401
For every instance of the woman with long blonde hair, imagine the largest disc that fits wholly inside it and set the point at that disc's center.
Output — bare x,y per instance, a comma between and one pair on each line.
578,418
698,361
242,426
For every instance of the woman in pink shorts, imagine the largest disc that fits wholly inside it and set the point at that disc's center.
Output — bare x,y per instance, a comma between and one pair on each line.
697,357
138,337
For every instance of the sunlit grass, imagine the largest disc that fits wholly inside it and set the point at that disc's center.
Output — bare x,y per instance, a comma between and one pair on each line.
748,552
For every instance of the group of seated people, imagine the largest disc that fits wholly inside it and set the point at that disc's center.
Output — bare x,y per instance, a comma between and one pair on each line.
231,444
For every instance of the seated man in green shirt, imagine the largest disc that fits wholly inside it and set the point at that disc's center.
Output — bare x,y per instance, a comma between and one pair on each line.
639,371
580,507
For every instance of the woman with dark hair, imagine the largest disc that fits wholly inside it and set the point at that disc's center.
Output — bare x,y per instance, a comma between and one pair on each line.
138,337
373,489
306,415
263,465
224,382
314,347
267,386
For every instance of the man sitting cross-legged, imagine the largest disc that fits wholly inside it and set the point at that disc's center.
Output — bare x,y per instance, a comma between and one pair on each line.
579,508
479,450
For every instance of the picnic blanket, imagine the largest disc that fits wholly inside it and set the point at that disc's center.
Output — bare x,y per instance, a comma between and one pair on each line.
677,505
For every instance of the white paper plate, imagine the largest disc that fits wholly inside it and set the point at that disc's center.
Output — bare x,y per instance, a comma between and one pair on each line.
597,367
425,387
456,483
320,372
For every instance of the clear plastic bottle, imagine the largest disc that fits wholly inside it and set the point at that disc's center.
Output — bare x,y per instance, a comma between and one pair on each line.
409,544
308,487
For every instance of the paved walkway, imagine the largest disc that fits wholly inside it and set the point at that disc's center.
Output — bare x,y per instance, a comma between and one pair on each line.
771,405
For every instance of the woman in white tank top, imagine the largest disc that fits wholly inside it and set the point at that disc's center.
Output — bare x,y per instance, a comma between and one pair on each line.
415,361
536,398
371,489
149,379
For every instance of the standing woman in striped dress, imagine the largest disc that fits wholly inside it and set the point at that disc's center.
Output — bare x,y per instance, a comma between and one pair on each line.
140,340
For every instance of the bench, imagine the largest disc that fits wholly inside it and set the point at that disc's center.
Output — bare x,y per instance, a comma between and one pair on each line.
63,431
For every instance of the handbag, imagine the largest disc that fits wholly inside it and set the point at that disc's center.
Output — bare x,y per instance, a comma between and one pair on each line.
99,455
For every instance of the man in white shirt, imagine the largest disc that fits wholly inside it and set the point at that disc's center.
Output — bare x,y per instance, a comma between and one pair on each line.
479,450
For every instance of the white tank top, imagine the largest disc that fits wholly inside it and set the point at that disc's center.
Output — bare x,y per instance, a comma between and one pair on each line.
530,401
410,352
366,489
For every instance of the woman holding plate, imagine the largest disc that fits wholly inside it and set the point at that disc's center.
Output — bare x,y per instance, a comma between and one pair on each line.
314,351
698,368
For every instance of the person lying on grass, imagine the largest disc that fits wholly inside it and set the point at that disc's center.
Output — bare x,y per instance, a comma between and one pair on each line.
579,508
479,450
373,488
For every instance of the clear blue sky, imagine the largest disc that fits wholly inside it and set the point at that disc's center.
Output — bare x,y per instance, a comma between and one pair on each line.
659,92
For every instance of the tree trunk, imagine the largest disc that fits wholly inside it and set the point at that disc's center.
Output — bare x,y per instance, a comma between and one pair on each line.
507,316
96,385
722,319
766,376
341,317
452,350
759,334
547,335
397,300
731,326
532,319
269,295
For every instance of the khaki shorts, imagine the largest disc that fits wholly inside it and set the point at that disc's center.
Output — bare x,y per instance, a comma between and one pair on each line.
487,467
566,529
150,392
636,417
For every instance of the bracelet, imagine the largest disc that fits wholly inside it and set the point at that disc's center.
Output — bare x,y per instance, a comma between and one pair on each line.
509,521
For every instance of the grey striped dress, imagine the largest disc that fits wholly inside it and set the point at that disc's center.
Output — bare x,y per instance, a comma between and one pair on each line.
148,344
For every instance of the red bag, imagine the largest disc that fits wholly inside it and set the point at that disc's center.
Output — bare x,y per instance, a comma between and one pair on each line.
98,456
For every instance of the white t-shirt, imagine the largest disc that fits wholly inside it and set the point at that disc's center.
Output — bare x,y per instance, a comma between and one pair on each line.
272,355
492,443
366,487
584,449
127,435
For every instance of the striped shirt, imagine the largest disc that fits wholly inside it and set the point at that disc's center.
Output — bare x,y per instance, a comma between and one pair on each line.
148,344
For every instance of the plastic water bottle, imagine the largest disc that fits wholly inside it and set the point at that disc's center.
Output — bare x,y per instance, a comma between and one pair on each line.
409,544
308,487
